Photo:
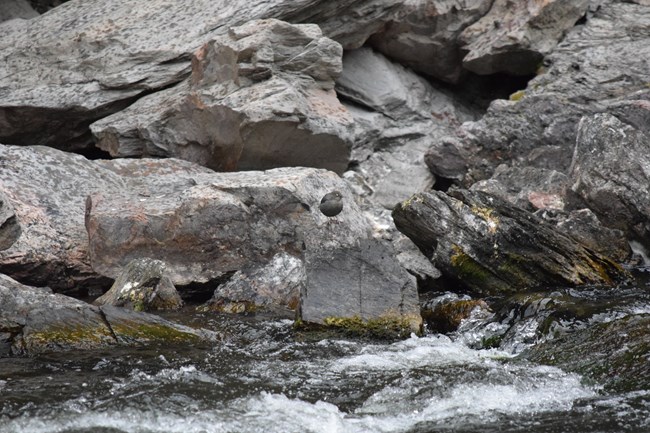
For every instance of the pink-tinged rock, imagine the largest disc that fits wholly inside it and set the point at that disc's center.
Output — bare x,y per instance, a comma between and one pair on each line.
90,59
259,97
514,36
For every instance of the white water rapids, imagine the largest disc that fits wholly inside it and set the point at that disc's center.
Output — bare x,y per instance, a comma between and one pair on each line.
421,384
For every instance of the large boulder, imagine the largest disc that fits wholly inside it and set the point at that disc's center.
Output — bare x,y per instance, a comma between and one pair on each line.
243,223
598,67
514,37
229,221
259,97
47,189
492,247
424,35
611,172
9,227
358,284
34,320
87,60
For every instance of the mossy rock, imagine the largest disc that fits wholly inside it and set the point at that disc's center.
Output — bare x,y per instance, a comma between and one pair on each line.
381,328
57,338
447,316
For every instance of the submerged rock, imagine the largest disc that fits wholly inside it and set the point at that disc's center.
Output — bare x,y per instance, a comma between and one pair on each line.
445,314
492,247
614,354
34,320
143,286
259,97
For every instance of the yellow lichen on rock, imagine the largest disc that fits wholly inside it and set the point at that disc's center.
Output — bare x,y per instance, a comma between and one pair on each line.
488,216
516,97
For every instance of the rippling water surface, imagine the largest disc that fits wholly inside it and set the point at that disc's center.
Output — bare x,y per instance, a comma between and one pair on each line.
264,378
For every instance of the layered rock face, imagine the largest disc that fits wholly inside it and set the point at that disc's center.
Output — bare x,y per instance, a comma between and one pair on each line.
598,67
259,97
494,248
83,69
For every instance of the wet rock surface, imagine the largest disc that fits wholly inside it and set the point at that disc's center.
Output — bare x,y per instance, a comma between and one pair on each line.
34,320
492,247
618,352
585,227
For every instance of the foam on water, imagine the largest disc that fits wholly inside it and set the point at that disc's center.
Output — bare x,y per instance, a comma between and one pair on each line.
422,380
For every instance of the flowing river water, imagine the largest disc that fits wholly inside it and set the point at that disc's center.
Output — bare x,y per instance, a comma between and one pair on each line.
265,377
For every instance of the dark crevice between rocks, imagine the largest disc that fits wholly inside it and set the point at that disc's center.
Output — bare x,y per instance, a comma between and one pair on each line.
347,100
443,184
353,165
108,324
69,131
10,333
200,293
42,6
478,91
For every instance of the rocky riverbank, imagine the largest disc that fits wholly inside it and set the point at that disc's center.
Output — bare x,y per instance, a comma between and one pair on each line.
177,154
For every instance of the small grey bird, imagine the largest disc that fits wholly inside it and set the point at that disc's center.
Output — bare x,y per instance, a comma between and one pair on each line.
331,204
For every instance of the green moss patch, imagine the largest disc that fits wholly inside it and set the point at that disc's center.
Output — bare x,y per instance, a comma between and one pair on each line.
130,332
385,328
66,338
